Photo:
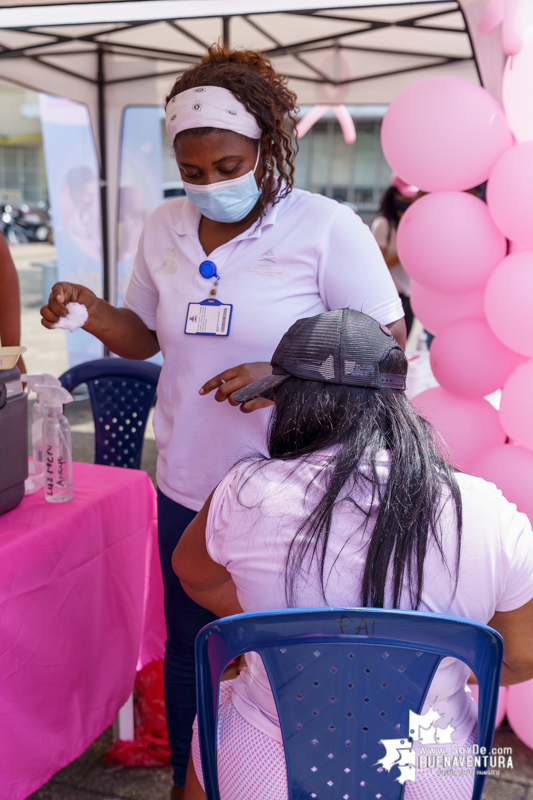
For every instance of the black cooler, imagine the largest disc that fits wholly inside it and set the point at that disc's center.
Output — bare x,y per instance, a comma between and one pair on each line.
13,439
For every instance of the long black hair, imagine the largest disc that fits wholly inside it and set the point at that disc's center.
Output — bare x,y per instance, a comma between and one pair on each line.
356,425
387,207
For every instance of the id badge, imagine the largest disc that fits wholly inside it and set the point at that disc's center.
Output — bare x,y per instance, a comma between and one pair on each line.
208,318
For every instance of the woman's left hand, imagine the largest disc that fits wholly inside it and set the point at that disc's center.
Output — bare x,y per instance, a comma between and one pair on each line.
235,378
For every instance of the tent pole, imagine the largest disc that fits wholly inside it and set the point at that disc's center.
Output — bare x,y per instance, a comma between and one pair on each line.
103,169
100,81
225,30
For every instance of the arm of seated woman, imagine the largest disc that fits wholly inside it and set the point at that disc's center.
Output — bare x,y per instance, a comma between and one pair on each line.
207,583
399,331
516,627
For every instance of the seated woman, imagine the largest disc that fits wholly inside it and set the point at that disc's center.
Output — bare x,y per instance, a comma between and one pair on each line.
354,506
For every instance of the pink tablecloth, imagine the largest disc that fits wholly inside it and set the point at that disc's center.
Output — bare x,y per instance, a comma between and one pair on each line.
80,608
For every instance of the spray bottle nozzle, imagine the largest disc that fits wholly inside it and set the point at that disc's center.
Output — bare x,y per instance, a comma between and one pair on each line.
54,396
42,379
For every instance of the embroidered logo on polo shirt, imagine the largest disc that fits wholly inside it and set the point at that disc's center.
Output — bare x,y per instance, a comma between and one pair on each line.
169,265
267,264
269,255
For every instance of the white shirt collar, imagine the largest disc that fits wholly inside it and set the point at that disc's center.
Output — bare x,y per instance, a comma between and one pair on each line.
190,216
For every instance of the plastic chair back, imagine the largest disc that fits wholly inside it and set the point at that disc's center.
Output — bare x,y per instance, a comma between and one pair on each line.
343,680
122,392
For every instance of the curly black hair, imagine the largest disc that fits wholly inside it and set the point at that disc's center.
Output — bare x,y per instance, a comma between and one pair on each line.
249,75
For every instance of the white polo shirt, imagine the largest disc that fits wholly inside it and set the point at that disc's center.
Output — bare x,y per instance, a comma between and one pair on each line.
309,254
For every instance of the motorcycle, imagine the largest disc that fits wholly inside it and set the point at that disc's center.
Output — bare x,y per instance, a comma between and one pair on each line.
24,224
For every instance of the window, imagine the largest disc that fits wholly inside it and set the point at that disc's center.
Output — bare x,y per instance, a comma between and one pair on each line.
352,173
22,178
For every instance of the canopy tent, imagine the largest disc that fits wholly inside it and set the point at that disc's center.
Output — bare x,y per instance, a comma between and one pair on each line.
111,55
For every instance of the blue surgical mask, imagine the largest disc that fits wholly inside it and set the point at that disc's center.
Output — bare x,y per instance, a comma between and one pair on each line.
226,201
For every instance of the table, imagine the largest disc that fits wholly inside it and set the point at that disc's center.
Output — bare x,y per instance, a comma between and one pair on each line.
81,608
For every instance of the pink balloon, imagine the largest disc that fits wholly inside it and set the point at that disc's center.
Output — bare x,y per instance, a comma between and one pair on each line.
516,405
435,310
520,710
509,193
467,426
448,242
516,88
492,17
444,133
510,467
516,247
468,360
508,302
502,702
514,22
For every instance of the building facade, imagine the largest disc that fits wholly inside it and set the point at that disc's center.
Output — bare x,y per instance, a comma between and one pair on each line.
357,174
22,174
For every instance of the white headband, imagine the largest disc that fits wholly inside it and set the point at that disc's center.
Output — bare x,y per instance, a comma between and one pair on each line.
209,107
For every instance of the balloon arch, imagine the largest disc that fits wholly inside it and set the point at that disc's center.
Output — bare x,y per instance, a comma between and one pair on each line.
472,261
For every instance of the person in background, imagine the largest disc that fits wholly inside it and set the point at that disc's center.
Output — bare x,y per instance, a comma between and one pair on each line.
394,203
9,302
218,276
353,506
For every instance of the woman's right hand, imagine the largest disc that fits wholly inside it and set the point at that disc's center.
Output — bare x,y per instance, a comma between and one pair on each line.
63,293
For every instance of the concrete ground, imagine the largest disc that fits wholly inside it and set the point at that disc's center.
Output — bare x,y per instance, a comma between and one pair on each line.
88,778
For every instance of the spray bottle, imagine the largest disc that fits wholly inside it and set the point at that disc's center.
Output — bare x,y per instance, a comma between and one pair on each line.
39,411
57,450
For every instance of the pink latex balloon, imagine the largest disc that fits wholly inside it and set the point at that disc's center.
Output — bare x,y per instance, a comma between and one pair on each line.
468,360
509,193
467,426
514,23
508,302
444,133
448,242
435,310
502,702
520,710
510,467
516,247
516,88
512,15
516,405
492,17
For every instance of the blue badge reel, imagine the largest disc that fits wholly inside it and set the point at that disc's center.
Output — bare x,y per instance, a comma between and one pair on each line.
210,317
208,269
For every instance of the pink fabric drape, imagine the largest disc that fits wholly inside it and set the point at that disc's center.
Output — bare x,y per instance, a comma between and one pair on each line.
80,609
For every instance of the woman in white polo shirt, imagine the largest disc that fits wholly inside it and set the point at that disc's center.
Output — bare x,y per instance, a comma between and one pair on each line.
219,276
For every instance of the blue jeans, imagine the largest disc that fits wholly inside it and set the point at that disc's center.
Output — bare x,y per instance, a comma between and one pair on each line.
184,619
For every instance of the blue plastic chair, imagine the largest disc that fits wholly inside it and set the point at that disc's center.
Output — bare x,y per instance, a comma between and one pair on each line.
344,679
122,392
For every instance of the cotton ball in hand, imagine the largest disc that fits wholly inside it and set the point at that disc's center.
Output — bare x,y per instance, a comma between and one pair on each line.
77,316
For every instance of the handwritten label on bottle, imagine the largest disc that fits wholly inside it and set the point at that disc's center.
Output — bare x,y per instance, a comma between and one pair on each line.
49,470
61,471
58,480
